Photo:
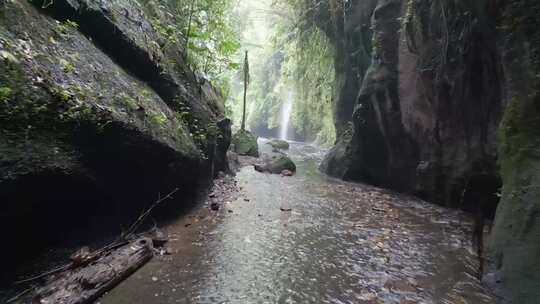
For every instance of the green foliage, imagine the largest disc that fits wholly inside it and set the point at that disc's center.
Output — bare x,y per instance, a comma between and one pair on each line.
294,60
204,27
310,61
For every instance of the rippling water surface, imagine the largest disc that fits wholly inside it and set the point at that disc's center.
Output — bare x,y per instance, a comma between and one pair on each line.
341,243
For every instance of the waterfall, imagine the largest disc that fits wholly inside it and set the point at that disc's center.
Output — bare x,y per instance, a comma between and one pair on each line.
286,110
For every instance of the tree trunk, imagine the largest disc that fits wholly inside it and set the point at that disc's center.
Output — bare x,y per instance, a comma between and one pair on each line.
84,285
191,9
246,81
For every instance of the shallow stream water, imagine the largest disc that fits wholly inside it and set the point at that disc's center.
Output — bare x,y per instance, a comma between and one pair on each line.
341,243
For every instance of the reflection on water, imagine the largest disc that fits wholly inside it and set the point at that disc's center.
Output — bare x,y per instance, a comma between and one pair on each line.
342,243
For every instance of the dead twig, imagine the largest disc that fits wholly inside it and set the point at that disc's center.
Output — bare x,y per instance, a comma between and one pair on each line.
131,230
50,272
121,241
19,295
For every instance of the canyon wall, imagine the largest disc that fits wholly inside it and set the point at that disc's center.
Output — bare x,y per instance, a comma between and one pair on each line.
428,110
99,115
515,238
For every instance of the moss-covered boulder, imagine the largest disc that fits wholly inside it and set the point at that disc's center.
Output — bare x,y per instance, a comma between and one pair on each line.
338,160
245,143
279,144
278,163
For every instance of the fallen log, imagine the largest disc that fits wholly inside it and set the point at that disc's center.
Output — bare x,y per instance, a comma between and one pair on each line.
83,285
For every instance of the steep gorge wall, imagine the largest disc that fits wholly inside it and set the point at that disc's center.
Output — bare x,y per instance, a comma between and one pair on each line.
348,27
428,107
515,238
99,114
427,117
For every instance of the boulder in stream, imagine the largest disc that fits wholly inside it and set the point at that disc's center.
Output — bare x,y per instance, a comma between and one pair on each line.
280,163
279,144
277,163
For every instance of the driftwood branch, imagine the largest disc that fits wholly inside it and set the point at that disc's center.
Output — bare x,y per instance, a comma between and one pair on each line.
85,284
92,273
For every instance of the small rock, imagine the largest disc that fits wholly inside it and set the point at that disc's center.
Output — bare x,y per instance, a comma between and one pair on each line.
259,168
230,211
159,237
285,209
246,200
214,206
287,173
154,279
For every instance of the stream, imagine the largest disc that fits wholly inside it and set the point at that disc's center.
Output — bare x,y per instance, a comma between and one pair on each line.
340,243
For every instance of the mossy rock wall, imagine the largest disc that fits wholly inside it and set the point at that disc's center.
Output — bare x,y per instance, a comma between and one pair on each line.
426,114
96,113
427,120
515,240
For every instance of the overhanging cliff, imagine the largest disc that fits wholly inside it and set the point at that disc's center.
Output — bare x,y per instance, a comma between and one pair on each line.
98,116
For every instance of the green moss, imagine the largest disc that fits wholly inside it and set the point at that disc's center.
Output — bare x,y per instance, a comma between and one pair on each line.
279,163
127,101
8,57
158,119
65,29
67,67
146,94
514,244
5,93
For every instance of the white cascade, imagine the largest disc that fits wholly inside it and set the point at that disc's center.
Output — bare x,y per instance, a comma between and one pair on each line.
286,110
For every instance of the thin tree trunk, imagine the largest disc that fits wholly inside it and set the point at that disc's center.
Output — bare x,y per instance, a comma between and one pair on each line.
191,9
246,80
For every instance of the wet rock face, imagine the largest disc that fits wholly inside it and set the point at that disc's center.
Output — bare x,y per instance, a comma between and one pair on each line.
448,93
515,239
350,31
337,160
95,114
427,112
